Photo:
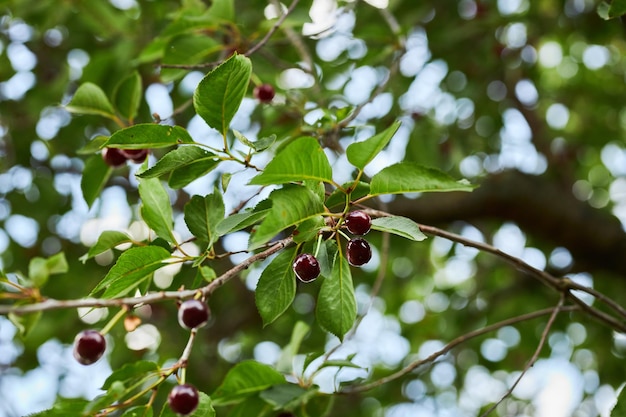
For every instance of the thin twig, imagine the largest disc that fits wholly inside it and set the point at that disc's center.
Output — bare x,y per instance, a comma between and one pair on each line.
595,293
54,304
533,359
454,343
274,28
249,52
393,69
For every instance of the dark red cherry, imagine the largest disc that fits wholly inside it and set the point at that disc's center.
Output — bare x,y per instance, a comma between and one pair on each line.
113,157
89,346
183,399
358,222
135,155
306,267
264,93
359,252
193,314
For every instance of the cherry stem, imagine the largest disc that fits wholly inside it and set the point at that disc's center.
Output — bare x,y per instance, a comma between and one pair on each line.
114,320
317,247
184,358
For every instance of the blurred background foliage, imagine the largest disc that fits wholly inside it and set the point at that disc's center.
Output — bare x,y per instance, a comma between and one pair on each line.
524,98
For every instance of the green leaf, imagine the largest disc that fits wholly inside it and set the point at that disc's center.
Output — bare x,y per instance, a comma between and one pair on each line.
148,135
240,221
202,215
259,145
156,209
95,175
341,363
338,197
113,395
362,153
185,164
400,226
290,206
336,303
24,323
408,177
276,288
303,159
223,9
90,99
285,396
38,271
620,407
187,49
57,264
326,257
130,372
132,268
308,229
251,407
617,9
205,274
139,411
205,408
107,240
243,380
64,407
93,146
221,91
300,330
127,96
226,177
319,406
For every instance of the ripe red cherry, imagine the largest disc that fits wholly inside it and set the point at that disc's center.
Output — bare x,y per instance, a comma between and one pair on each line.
193,314
135,155
358,222
359,252
264,93
306,267
183,399
89,346
113,157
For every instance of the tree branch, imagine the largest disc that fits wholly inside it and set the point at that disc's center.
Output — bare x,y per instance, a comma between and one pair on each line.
533,359
53,304
454,343
541,207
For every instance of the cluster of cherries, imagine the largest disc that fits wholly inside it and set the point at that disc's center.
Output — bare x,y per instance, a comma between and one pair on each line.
358,250
115,157
183,399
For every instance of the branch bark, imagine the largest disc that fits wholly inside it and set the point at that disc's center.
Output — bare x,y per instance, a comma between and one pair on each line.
541,207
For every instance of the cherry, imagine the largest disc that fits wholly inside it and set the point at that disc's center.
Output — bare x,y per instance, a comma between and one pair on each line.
264,93
113,157
135,155
306,267
358,222
193,314
89,346
359,252
183,399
